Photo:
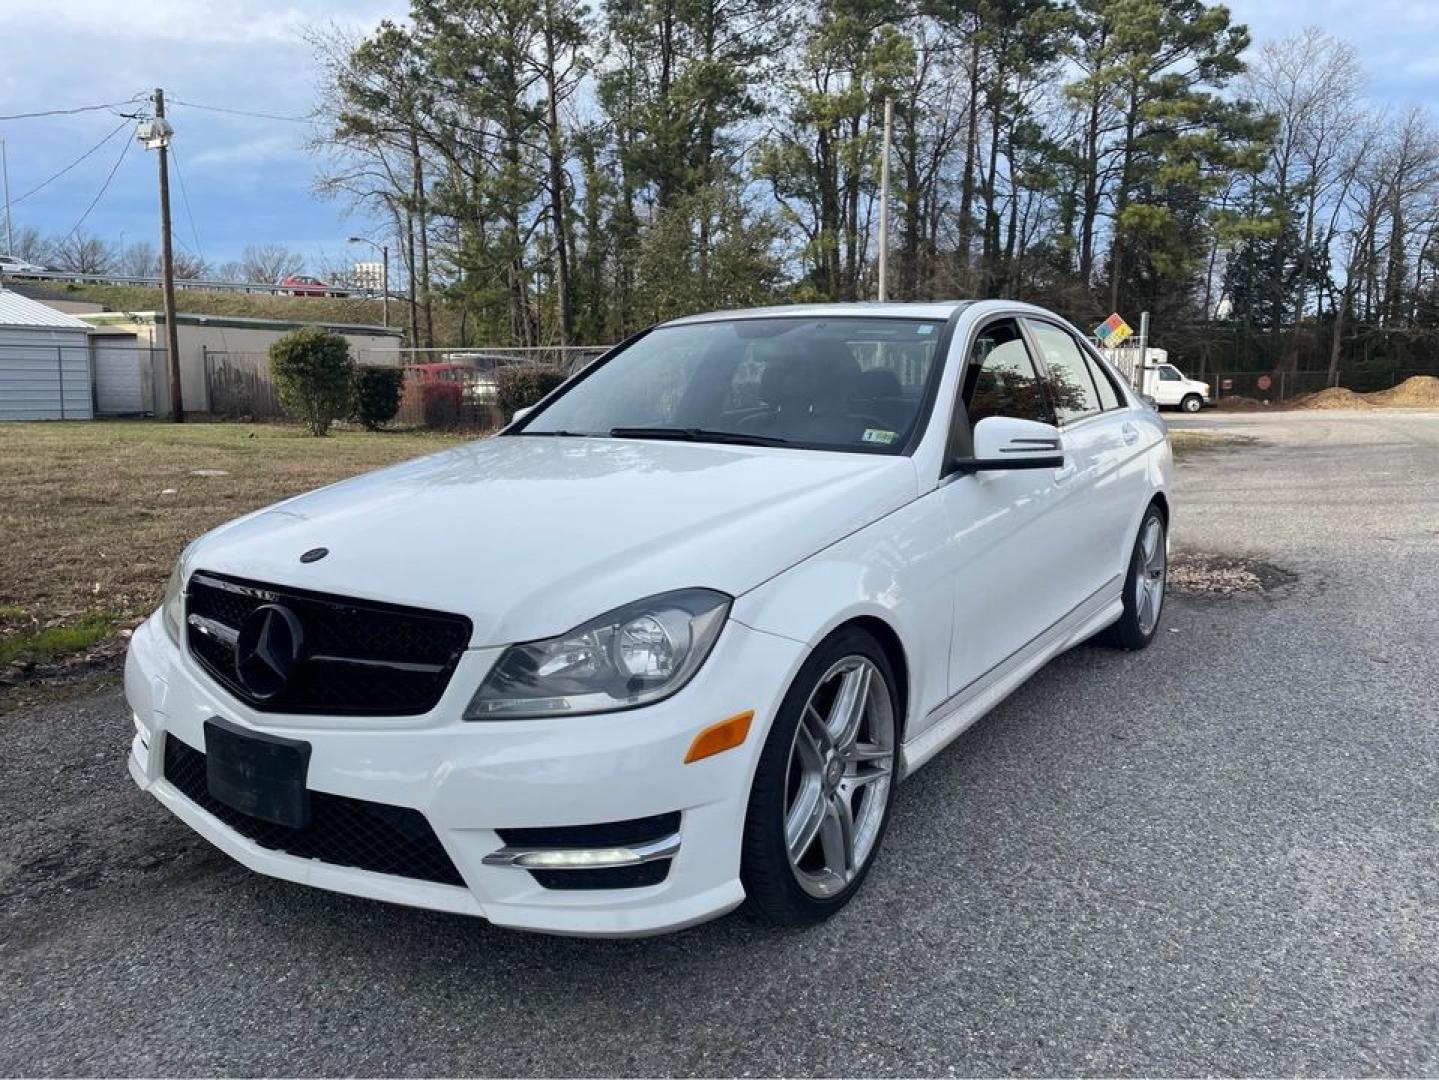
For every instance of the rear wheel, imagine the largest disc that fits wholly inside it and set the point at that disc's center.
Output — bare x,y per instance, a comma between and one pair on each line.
1192,403
826,777
1143,586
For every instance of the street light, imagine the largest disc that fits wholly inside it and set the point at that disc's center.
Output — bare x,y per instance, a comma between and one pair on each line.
384,251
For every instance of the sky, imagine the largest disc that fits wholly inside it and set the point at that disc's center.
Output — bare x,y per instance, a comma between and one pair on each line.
250,180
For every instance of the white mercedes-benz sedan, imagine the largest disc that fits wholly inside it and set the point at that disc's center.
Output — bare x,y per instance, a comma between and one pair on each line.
668,642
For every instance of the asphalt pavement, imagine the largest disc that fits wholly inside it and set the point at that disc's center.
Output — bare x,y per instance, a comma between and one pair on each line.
1217,856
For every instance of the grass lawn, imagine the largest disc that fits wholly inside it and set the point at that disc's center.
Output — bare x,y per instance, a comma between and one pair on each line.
93,515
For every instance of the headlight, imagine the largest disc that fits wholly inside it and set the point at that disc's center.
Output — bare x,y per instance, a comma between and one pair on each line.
173,607
634,655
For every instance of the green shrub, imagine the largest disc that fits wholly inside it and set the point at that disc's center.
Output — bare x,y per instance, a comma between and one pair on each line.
516,387
377,395
314,374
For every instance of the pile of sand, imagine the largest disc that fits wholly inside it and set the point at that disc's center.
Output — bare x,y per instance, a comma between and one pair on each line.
1335,397
1240,403
1415,392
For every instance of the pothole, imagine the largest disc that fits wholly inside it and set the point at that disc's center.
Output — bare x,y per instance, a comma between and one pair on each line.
1199,575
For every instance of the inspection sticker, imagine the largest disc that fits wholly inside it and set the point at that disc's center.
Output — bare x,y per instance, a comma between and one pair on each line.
878,435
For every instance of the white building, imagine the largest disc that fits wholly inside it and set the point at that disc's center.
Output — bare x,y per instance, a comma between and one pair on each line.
44,362
129,347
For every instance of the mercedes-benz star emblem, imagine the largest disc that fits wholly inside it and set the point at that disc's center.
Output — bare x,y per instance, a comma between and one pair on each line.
268,650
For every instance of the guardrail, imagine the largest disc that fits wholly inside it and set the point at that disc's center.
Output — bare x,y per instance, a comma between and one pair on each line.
196,284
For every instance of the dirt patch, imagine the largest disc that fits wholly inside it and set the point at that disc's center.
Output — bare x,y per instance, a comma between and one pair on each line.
1187,441
1335,397
1216,576
1240,403
1415,392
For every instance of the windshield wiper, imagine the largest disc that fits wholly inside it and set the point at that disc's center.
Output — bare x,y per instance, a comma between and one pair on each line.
557,434
694,434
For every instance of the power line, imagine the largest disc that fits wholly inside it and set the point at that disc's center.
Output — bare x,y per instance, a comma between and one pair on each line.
46,183
124,149
185,198
71,112
244,112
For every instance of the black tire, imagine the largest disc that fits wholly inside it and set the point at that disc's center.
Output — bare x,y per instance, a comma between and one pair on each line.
772,890
1192,403
1130,632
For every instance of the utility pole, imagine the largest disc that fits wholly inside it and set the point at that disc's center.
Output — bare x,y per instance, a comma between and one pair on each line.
155,134
5,174
884,201
1143,351
384,250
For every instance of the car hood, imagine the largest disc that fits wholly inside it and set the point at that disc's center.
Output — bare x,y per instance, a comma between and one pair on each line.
529,536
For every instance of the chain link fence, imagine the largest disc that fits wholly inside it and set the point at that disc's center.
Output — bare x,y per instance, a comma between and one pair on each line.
442,388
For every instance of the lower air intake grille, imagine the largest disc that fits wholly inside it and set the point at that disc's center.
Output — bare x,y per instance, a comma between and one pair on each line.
343,831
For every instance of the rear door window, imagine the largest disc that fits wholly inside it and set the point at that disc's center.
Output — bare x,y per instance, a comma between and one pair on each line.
1071,387
1108,394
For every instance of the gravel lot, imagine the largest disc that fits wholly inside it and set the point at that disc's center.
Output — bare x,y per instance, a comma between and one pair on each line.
1217,857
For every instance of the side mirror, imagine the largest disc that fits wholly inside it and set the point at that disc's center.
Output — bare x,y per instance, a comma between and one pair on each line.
522,412
1005,442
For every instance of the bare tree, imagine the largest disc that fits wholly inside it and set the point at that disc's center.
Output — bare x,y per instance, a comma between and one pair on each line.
190,266
268,263
139,260
84,253
1310,83
31,246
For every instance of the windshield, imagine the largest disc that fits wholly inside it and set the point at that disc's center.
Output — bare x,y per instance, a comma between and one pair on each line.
829,383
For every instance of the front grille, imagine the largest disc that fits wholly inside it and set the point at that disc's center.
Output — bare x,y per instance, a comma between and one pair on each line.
347,832
359,657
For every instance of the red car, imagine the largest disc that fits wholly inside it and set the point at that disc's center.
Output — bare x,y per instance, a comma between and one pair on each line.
305,285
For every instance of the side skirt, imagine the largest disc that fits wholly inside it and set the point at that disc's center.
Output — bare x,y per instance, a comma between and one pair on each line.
948,720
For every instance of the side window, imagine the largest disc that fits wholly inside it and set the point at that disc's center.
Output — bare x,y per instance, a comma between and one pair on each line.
1070,386
1001,379
1168,374
1108,395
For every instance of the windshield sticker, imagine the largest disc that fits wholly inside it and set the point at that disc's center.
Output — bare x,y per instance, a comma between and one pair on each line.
926,328
879,435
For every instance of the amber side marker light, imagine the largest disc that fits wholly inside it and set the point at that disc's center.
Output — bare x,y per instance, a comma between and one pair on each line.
717,738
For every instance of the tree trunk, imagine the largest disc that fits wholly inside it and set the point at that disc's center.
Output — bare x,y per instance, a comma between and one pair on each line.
417,169
556,151
971,147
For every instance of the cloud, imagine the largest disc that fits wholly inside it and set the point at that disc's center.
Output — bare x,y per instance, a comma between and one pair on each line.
252,153
248,179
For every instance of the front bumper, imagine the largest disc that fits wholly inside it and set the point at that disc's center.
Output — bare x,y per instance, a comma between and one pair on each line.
471,779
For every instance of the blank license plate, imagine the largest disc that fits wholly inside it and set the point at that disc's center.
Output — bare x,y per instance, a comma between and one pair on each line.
258,774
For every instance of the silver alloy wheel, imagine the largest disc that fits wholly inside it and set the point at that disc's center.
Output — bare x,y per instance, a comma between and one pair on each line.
1153,570
838,776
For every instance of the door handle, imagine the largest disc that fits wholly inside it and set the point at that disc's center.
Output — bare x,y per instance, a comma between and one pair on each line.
1130,433
1061,475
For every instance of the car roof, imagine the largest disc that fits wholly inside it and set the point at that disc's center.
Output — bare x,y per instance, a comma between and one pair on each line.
940,310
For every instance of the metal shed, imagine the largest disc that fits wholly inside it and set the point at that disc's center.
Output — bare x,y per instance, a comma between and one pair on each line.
44,362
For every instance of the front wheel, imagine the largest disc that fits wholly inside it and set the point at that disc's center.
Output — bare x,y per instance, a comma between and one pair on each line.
1143,586
1192,403
826,777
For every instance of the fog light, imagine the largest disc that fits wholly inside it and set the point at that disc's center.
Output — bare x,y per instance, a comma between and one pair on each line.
574,860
